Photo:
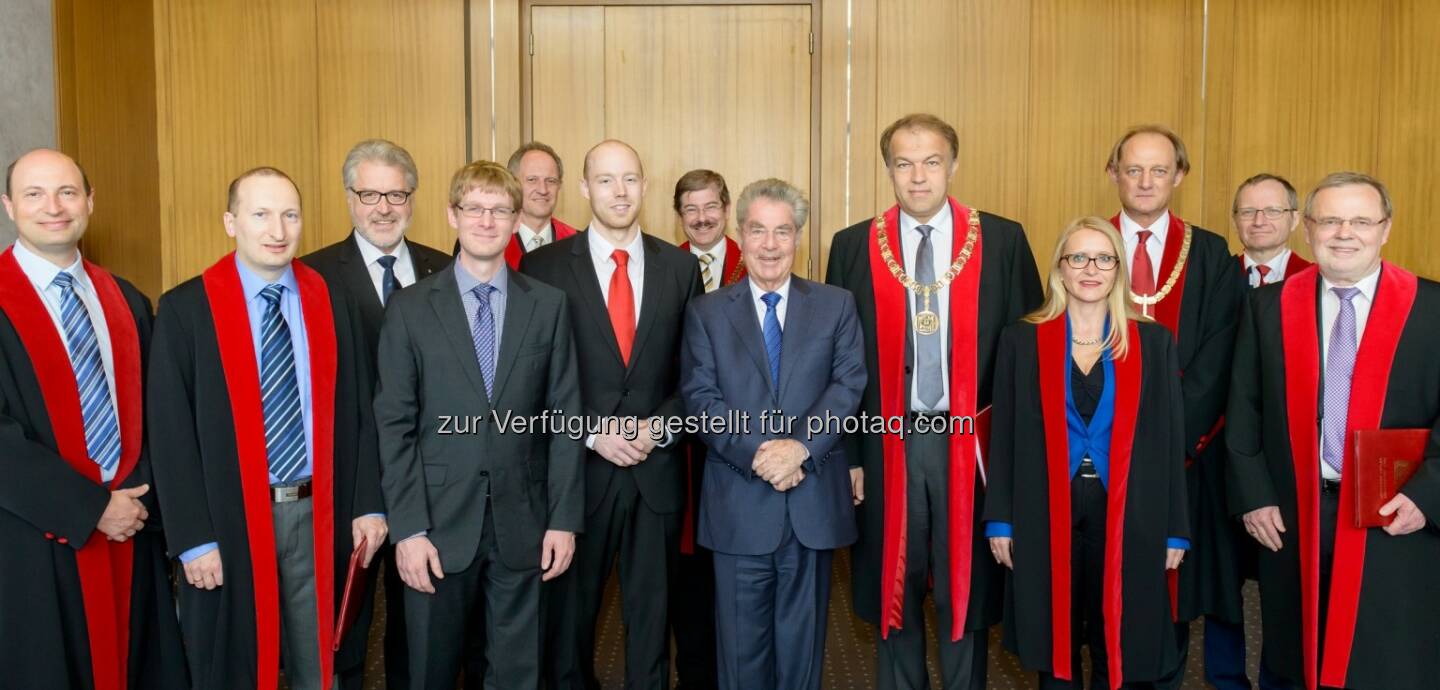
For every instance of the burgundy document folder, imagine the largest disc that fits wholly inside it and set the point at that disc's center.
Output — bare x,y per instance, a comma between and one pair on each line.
355,579
1384,460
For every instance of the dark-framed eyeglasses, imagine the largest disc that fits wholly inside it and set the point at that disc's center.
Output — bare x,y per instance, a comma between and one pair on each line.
1078,261
370,197
1271,213
500,213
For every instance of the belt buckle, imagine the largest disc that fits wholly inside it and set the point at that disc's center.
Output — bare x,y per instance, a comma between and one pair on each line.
1329,486
289,494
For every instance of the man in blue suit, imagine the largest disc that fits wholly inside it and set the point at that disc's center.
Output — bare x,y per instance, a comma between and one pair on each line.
785,354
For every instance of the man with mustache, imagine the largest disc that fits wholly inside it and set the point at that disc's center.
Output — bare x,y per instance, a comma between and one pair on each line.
703,203
1265,216
370,265
1352,341
627,294
86,598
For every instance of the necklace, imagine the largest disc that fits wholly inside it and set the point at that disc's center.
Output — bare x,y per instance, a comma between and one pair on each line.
927,322
1091,341
1147,301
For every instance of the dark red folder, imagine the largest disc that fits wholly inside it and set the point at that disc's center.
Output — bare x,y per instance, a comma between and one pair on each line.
1384,460
356,578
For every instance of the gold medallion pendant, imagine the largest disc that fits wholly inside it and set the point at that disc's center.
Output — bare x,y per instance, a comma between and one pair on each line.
927,322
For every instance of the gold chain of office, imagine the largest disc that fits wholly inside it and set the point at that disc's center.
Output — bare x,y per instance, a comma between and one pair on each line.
1147,301
927,322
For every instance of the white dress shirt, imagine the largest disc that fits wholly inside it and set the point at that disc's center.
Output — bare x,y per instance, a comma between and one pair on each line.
1130,231
1276,265
600,249
528,236
1329,311
942,240
42,274
756,293
404,268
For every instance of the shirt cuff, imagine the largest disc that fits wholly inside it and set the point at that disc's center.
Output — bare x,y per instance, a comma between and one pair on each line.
1177,543
378,515
421,533
995,528
590,442
201,550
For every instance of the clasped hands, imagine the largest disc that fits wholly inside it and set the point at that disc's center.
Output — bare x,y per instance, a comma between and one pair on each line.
125,516
619,449
778,461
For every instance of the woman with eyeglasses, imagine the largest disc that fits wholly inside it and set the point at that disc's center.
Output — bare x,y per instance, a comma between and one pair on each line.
1086,498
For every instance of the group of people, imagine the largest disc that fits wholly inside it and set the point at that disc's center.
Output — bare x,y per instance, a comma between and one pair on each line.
1158,422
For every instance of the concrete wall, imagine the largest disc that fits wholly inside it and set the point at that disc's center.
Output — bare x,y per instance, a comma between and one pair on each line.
27,85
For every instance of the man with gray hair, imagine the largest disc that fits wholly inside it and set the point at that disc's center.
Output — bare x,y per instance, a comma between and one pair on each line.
777,502
1265,213
369,265
1346,579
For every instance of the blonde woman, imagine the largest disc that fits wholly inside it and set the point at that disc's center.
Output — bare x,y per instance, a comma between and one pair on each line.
1086,501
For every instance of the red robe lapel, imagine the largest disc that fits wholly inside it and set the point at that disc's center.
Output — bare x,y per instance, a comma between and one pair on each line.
242,379
105,567
513,251
734,269
1167,311
891,310
1054,368
1295,264
1299,318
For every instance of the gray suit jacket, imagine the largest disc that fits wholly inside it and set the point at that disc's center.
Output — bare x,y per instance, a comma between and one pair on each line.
822,373
442,452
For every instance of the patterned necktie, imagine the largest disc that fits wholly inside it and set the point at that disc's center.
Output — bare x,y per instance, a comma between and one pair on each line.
102,431
536,241
1142,272
1263,271
772,336
482,331
388,282
1339,365
705,273
622,304
280,391
928,377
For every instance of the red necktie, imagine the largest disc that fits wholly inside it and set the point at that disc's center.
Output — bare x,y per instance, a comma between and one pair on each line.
622,304
1142,272
1263,270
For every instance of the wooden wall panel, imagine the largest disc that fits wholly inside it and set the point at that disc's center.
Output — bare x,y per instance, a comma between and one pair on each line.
496,45
568,71
1409,131
240,91
389,70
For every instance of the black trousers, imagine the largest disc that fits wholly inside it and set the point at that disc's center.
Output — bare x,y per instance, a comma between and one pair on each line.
692,620
436,624
1088,508
900,659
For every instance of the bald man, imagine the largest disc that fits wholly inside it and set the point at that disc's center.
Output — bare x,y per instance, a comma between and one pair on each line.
627,295
86,596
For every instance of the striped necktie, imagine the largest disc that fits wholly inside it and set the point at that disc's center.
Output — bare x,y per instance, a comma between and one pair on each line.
280,391
705,273
102,431
772,336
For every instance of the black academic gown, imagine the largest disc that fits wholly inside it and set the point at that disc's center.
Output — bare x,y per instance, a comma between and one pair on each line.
1029,415
197,473
1009,288
1397,612
47,512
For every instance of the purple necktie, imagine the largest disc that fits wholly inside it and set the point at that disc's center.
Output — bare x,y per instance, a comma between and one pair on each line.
1339,365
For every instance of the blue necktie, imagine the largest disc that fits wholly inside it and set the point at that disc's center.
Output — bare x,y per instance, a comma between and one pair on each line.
482,331
772,336
280,391
102,431
1339,366
388,282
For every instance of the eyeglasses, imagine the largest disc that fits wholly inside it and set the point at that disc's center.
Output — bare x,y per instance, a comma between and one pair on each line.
1271,213
1362,224
781,234
1104,262
691,209
500,213
370,197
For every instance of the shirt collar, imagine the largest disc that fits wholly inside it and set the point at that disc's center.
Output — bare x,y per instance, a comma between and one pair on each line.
942,222
253,284
600,248
371,253
1277,263
756,293
526,234
1131,229
717,251
467,282
1367,285
42,273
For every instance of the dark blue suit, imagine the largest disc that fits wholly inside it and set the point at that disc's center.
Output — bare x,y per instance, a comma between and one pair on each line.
773,549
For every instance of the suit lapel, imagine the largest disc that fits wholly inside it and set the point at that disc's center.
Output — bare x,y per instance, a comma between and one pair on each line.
450,312
655,281
587,285
519,307
747,327
793,332
357,280
421,263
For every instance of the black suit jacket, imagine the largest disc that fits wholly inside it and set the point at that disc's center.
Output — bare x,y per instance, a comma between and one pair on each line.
442,451
343,268
650,385
1009,288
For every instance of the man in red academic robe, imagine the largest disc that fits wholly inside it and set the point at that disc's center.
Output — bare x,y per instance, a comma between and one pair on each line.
541,174
931,355
268,473
1351,341
1183,277
1265,214
84,590
702,200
